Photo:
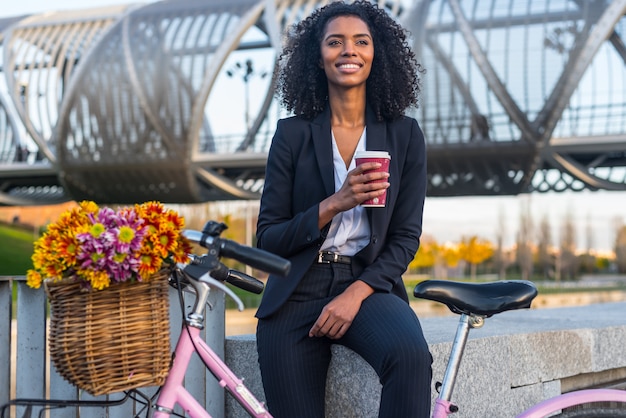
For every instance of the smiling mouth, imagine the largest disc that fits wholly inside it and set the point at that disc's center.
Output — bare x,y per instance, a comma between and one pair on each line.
349,66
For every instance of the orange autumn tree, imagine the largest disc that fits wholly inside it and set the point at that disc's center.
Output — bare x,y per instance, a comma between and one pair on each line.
450,255
475,251
426,254
435,257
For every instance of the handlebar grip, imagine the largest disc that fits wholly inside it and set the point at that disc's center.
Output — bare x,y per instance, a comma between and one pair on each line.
245,282
219,272
255,257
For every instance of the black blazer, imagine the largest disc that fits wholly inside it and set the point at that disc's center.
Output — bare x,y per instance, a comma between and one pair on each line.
300,175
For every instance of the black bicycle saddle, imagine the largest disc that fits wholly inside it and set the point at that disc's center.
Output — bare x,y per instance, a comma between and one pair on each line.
478,298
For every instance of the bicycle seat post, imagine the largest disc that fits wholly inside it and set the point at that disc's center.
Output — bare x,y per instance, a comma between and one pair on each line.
466,322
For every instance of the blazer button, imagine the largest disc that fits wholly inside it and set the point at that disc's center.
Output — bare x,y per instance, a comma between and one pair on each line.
374,240
309,238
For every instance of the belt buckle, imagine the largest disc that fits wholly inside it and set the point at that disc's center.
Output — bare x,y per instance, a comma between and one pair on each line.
320,258
327,257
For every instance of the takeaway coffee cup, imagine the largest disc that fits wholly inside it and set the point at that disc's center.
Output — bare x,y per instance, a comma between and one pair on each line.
383,158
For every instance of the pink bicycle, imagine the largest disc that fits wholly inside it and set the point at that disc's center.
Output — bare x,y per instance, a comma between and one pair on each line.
476,302
200,276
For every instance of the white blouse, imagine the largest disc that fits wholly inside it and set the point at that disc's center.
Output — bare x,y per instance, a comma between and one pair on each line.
350,230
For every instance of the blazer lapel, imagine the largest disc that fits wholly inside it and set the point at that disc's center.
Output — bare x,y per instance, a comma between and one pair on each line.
322,142
376,141
376,132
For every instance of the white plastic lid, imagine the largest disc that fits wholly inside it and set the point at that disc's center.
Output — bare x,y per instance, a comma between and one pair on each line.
372,154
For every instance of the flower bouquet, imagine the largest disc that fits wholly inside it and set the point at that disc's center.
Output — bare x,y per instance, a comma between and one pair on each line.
99,246
106,274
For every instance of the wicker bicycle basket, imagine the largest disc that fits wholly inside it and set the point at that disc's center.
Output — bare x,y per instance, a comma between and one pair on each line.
110,340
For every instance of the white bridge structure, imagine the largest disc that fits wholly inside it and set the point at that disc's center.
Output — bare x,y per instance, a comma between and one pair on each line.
173,100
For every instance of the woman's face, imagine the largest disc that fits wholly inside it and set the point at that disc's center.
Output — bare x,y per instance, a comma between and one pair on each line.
347,52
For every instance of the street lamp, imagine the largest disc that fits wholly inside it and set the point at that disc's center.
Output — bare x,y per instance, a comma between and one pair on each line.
246,72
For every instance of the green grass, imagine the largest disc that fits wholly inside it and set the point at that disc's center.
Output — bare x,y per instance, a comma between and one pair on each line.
16,248
250,300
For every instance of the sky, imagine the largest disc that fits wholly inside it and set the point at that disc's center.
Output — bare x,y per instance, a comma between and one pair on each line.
17,8
451,218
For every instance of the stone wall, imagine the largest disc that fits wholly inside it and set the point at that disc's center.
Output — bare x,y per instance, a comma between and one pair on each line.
516,360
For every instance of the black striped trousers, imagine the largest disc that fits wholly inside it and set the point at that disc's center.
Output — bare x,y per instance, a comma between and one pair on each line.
385,332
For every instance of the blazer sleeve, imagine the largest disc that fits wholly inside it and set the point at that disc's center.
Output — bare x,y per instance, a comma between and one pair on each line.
402,238
284,227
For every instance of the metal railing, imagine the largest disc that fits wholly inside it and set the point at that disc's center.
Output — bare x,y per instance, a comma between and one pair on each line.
25,363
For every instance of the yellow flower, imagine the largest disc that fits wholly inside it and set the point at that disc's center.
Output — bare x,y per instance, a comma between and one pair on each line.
174,221
33,279
150,211
39,258
54,270
68,248
98,279
149,264
88,206
164,241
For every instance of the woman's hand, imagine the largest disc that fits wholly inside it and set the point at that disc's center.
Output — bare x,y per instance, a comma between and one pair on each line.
360,185
338,314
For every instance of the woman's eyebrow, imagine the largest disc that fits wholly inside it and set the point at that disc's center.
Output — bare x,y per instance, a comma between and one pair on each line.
358,35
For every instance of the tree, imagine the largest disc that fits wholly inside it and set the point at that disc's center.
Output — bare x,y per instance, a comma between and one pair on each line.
426,255
569,261
620,249
587,261
475,251
589,235
449,257
524,253
544,258
501,261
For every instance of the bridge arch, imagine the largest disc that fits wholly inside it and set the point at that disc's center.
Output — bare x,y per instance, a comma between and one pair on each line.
518,97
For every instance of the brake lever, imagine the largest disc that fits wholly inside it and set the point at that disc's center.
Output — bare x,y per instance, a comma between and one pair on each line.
206,277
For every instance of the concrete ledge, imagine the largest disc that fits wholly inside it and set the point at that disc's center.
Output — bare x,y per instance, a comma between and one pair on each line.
517,359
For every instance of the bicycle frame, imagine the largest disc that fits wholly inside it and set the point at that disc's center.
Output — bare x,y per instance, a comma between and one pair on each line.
578,397
443,406
189,342
550,406
173,391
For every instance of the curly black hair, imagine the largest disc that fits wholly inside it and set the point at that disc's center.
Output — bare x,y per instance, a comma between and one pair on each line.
393,85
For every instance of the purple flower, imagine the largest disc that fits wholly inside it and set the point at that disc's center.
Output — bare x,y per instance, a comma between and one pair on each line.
112,244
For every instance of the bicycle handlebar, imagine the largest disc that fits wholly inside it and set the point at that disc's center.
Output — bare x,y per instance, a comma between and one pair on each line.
245,282
253,257
219,271
256,257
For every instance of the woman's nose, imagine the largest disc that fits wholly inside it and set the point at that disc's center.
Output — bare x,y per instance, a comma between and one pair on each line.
348,49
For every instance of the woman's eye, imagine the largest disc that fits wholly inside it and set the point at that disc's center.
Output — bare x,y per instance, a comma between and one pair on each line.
335,42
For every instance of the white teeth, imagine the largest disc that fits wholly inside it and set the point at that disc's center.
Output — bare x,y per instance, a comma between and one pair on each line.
348,66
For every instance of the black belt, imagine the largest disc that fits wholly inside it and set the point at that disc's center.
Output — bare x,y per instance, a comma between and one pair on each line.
325,257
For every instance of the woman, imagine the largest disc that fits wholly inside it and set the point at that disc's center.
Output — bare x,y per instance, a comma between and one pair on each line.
348,75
